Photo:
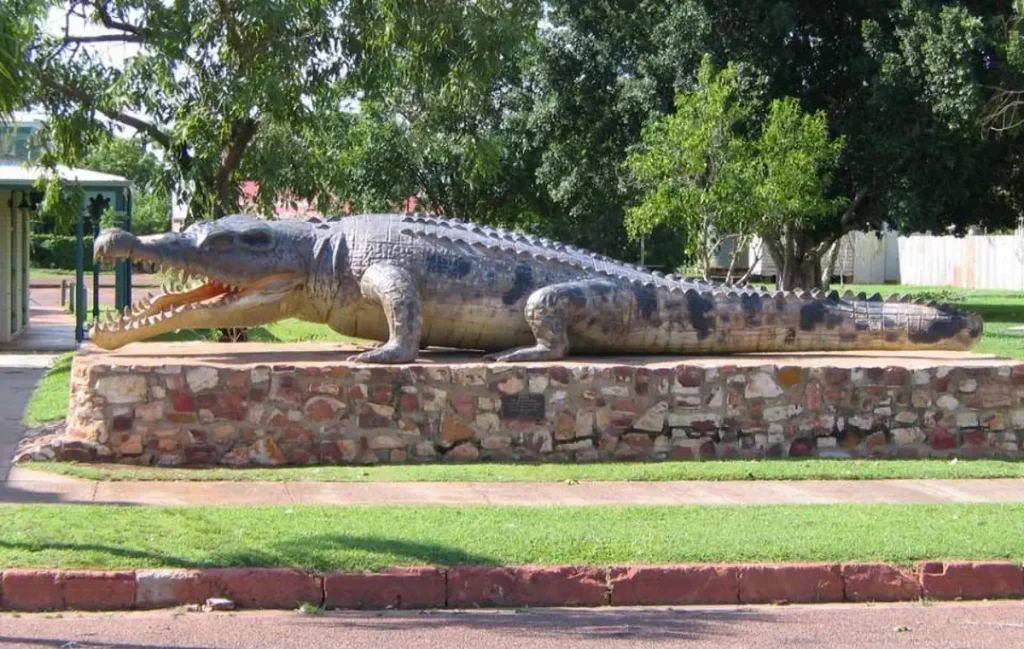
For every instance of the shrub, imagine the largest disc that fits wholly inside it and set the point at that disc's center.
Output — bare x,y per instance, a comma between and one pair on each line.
58,251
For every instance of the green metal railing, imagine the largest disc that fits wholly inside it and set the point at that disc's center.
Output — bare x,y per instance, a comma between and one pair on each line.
122,271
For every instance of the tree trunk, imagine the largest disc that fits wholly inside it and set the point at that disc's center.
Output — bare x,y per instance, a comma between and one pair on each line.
829,269
801,264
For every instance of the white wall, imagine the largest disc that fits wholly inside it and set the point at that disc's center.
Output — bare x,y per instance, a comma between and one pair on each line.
5,266
14,267
992,261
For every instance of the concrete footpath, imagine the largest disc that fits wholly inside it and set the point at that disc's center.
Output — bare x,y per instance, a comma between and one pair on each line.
27,486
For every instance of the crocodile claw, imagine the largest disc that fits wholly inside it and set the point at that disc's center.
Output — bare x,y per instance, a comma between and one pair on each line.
389,354
523,354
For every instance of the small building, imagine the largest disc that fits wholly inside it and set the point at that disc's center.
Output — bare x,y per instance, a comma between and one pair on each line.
863,258
19,201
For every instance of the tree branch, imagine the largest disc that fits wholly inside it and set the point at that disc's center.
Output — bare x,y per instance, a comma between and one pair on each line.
152,130
109,22
845,222
105,38
242,132
234,38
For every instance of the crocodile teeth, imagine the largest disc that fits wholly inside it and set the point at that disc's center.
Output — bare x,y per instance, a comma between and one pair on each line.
893,298
877,297
848,295
862,296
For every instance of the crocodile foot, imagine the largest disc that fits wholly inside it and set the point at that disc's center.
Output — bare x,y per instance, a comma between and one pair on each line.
522,354
387,354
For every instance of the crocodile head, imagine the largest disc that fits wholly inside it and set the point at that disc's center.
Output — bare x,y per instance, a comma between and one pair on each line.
251,273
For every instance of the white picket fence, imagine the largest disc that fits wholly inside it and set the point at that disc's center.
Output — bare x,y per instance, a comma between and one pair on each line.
985,261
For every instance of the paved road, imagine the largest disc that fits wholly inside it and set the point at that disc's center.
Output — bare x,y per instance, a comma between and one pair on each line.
939,626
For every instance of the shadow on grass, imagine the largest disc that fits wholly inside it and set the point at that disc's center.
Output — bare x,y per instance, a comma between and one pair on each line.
997,312
303,552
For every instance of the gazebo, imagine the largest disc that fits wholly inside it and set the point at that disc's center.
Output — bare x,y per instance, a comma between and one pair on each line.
18,194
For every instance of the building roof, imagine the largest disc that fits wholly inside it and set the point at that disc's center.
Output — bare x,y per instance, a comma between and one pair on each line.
14,174
285,206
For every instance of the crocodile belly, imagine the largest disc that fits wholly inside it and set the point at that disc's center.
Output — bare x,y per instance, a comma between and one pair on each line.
485,326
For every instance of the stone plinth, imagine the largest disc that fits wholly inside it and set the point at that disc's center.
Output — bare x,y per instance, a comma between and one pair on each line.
256,404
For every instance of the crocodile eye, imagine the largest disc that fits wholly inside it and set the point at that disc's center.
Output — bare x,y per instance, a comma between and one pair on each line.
257,238
219,241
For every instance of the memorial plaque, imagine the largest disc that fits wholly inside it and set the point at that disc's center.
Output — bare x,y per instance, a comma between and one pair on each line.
523,406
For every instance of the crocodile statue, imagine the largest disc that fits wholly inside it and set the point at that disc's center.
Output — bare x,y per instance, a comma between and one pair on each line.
414,281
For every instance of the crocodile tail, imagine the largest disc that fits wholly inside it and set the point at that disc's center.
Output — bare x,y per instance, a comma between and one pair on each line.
898,322
805,321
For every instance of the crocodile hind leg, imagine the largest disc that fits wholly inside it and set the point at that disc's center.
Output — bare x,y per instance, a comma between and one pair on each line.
392,287
551,311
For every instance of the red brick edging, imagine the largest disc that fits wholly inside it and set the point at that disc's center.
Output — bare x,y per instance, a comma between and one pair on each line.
486,586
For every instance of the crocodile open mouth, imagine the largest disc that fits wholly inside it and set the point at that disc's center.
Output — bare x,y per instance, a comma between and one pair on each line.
212,303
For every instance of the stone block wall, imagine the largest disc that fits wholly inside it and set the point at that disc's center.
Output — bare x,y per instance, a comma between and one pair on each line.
204,412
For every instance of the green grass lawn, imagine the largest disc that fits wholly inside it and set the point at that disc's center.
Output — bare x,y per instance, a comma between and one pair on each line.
50,399
58,273
369,538
775,469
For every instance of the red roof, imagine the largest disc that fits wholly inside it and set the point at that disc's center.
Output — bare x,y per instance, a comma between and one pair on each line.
289,207
285,207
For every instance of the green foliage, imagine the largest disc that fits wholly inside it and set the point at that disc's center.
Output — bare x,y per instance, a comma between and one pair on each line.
695,169
797,159
709,169
17,30
59,251
151,206
217,80
61,206
899,81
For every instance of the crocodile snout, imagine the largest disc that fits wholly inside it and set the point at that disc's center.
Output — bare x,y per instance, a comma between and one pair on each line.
114,244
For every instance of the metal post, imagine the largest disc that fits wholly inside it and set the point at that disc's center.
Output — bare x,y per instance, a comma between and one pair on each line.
128,262
95,274
80,305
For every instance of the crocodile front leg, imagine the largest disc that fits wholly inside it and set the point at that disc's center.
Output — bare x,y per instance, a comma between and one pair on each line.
392,287
552,310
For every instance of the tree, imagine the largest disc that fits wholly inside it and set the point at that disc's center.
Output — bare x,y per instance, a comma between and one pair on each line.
712,169
694,169
901,81
151,204
1005,110
17,28
211,78
794,165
